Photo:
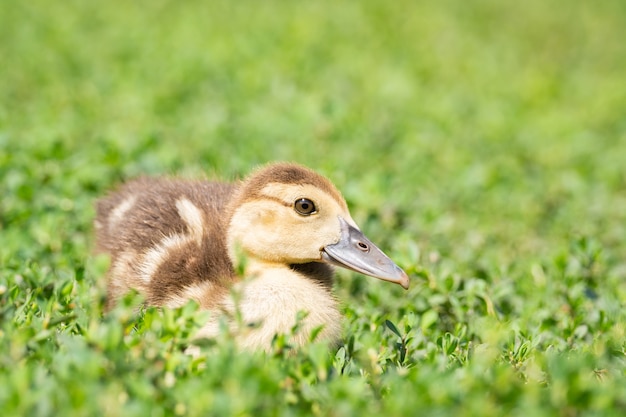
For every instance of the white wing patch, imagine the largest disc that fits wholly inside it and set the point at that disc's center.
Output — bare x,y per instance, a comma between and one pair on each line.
196,292
118,213
192,216
154,257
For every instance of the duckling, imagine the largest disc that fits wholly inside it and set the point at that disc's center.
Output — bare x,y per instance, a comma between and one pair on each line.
264,247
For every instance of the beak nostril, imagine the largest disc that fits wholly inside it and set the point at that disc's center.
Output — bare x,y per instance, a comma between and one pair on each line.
363,246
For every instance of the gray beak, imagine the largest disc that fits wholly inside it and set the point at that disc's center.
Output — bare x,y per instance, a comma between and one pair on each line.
356,252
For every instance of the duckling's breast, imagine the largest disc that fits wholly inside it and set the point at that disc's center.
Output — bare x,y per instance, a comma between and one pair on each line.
278,300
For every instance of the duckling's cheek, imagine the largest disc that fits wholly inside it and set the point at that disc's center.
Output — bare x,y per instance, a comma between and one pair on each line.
327,233
267,220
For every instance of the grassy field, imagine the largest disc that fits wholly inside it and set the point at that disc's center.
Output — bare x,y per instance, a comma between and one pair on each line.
481,144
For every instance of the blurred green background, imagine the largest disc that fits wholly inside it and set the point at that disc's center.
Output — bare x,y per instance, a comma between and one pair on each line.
481,144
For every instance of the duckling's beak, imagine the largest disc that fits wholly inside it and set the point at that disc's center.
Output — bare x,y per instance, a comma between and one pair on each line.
356,252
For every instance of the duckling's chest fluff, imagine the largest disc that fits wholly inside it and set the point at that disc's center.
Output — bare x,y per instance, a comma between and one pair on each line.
280,229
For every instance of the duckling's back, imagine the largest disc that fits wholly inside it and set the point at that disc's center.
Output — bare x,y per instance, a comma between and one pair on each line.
166,239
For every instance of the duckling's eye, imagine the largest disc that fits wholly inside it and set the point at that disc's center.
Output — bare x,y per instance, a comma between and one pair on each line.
304,206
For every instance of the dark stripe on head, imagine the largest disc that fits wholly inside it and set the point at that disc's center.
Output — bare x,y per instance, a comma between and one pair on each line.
286,173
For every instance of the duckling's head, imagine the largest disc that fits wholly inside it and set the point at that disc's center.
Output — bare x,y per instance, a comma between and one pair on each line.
287,214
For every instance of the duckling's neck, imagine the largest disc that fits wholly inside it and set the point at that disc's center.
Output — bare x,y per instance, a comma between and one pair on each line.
255,268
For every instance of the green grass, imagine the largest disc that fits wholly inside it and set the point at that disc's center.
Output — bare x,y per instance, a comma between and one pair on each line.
481,144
